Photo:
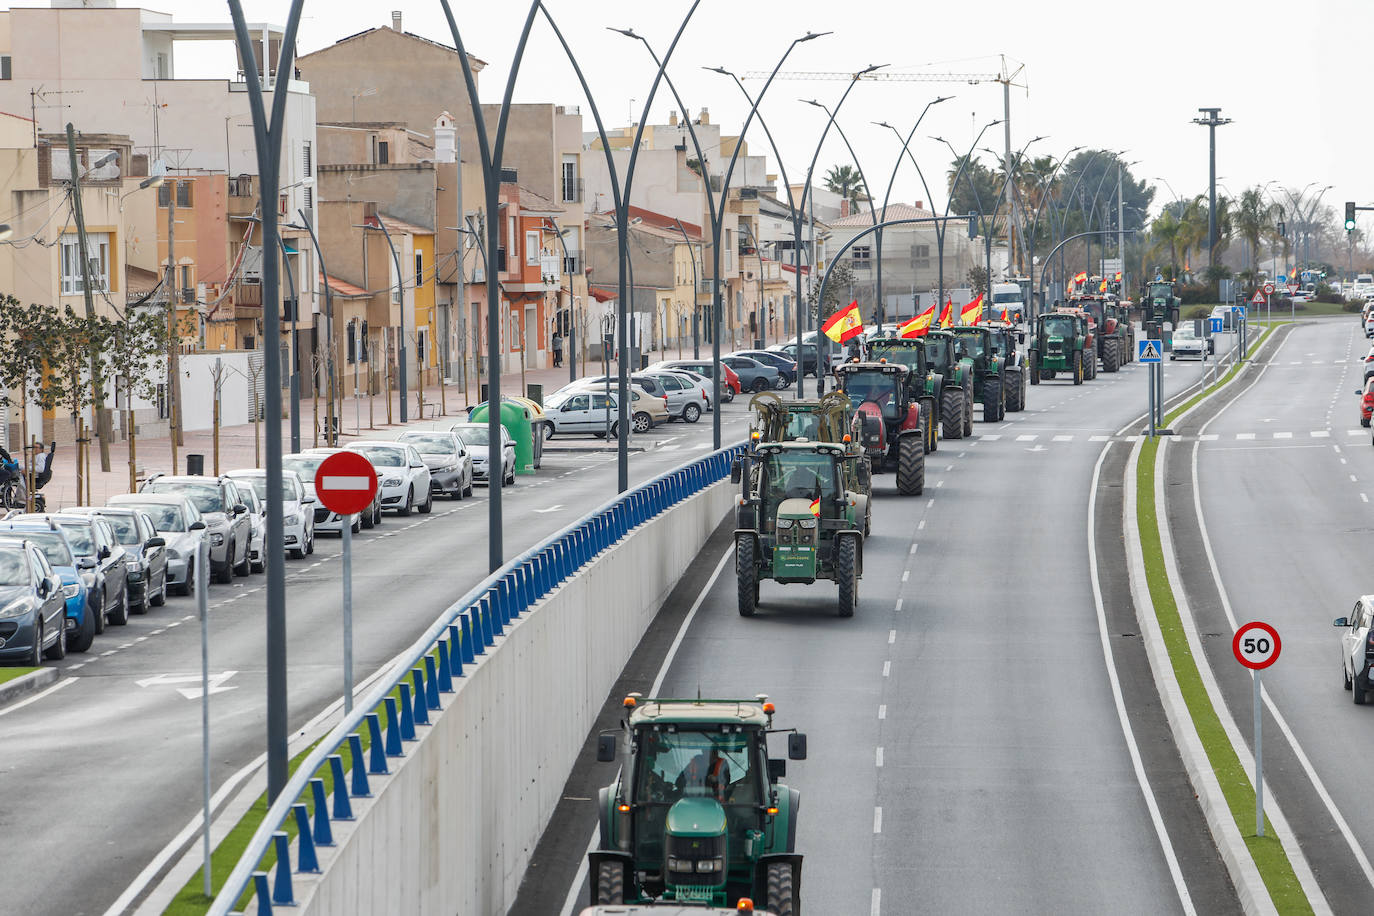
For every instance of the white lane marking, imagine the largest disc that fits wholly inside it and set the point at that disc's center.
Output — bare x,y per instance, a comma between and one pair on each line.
882,712
37,696
1180,886
1354,479
879,757
989,437
1283,435
127,645
913,548
930,502
553,508
921,526
899,604
877,819
1320,434
1354,432
1245,437
887,669
76,666
110,652
188,617
949,468
962,454
1099,438
570,903
1364,497
1343,461
876,907
1030,437
1062,439
906,575
938,485
891,637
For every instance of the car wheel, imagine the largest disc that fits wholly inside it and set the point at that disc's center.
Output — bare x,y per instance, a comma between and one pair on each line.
120,616
310,543
1357,690
728,394
35,657
59,646
467,490
85,634
224,575
357,526
642,422
367,518
548,431
244,566
691,413
759,384
142,606
405,509
160,598
97,612
296,553
257,567
428,503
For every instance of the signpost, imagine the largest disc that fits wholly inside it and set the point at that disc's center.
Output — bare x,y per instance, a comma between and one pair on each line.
1257,645
202,585
1239,313
1150,352
1268,305
346,483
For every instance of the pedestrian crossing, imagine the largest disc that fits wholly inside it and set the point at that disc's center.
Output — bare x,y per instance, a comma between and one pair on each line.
1266,436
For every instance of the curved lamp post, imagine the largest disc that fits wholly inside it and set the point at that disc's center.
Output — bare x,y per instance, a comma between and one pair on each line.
949,201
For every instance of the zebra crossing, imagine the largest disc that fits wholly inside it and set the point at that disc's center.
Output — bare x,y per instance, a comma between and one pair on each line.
1266,436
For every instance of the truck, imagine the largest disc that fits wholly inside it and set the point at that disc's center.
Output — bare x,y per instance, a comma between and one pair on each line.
893,427
698,815
796,521
1010,301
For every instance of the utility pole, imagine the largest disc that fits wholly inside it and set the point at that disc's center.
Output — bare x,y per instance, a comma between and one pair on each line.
173,330
1211,122
1121,229
102,419
1011,183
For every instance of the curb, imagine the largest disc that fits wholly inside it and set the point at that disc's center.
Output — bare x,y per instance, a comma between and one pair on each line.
27,683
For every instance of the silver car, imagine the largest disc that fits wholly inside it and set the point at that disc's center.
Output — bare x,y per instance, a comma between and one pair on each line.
450,465
297,509
687,397
474,439
305,465
225,515
178,523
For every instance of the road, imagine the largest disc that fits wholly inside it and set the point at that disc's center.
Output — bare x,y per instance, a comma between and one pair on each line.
1283,478
966,751
111,770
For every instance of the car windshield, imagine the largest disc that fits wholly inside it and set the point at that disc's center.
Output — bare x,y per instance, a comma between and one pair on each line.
14,567
205,496
52,543
1060,326
687,763
1007,297
432,445
165,517
477,435
1184,332
126,532
382,457
305,466
79,536
290,487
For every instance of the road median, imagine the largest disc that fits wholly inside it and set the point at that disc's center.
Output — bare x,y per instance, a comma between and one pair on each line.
15,683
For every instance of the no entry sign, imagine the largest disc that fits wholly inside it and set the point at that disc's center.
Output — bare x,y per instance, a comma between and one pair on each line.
1256,645
346,483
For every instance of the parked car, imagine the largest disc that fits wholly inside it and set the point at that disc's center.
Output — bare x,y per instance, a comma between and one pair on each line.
405,476
145,553
450,466
648,396
729,384
810,355
1366,402
474,438
753,375
1186,342
48,537
687,394
370,517
297,512
786,366
100,561
178,522
225,516
305,464
1357,648
32,606
646,410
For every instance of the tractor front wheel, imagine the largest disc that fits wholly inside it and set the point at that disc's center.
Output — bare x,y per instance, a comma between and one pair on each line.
1034,369
994,407
610,883
911,466
782,899
952,413
746,575
847,574
1078,367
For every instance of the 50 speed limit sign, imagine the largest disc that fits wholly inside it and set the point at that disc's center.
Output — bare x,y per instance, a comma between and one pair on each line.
1256,645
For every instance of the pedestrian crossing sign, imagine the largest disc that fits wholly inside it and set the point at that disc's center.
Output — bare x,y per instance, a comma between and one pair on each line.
1149,350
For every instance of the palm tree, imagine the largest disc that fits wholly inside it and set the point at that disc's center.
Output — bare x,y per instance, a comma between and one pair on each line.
1254,220
845,181
1164,235
1192,231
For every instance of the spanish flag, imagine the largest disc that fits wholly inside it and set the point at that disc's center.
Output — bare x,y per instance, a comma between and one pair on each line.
844,324
947,314
973,312
918,326
816,508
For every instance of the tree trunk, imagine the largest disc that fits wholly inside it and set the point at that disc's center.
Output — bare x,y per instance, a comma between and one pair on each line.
133,449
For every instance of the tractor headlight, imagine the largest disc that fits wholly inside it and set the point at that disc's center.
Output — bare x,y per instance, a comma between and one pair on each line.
710,865
784,524
808,523
679,864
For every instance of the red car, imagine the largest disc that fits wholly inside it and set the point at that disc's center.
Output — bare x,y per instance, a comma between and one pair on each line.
1367,402
731,378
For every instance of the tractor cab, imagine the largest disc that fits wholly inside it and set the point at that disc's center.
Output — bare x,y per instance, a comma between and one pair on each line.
902,351
940,354
875,387
976,343
700,816
828,418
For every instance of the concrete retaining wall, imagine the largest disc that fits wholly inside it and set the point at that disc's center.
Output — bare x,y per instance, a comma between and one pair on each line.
452,829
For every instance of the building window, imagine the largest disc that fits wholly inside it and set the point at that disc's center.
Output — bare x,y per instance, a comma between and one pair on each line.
572,186
383,152
188,291
420,345
308,198
5,67
307,159
531,249
98,258
163,408
419,269
362,343
164,195
184,197
352,344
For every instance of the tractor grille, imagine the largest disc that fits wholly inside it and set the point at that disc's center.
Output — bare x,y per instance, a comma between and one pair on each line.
694,849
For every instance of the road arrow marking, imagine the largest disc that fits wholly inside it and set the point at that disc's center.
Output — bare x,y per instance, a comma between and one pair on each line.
216,682
549,509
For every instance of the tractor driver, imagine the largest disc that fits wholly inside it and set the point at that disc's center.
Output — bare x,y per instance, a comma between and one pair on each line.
707,770
801,483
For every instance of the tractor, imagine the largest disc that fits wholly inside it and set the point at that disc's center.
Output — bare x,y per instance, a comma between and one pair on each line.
796,521
1115,333
993,376
923,384
894,429
1005,338
956,384
1160,304
829,418
698,816
1062,344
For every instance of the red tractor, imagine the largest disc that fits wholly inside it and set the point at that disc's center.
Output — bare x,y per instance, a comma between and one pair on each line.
893,428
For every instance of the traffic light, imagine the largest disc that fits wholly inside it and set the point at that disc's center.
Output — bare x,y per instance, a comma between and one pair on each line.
972,225
1350,216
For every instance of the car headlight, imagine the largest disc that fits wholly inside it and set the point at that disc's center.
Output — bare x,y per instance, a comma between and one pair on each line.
88,578
809,522
448,469
784,524
291,520
71,591
391,482
216,539
132,565
14,609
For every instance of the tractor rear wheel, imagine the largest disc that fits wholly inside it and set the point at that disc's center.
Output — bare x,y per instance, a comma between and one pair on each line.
952,413
968,411
1034,364
1111,355
1092,365
911,466
847,574
782,899
746,575
610,883
1078,367
994,407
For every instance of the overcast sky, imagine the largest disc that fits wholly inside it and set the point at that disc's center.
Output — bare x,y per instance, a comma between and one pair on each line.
1099,75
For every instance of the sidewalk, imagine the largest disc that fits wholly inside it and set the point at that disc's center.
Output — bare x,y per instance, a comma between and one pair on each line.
236,443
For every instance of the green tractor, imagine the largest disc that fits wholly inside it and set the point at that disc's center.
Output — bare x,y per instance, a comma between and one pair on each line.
996,382
698,816
922,382
956,383
1160,304
1115,336
829,418
1005,338
893,427
796,521
1062,344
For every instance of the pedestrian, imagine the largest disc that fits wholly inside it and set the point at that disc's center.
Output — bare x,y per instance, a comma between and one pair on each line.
557,349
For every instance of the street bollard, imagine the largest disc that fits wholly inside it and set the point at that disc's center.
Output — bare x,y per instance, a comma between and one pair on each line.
324,836
281,885
376,751
420,708
407,713
432,683
469,650
445,682
305,843
484,617
343,808
261,892
393,728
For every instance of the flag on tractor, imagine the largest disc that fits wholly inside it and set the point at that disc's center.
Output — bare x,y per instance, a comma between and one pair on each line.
816,508
947,314
918,326
1102,287
844,324
973,312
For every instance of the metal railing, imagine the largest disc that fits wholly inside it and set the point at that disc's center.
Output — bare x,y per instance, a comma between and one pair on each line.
428,669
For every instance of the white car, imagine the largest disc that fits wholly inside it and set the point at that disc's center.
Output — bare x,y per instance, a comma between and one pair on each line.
297,507
1357,648
305,465
450,465
1187,343
405,476
474,438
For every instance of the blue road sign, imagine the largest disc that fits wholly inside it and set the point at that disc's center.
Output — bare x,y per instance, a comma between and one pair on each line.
1149,350
1238,311
1215,325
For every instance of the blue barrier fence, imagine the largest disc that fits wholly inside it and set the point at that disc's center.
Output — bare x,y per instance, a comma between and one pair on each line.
465,631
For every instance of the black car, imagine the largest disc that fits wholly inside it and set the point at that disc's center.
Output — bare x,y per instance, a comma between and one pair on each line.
100,559
810,355
145,557
32,607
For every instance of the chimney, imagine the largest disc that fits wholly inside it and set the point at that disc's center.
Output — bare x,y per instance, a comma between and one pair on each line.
704,117
672,118
920,205
396,20
844,207
445,139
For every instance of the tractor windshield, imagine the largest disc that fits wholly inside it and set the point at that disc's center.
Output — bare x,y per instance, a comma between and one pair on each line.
1161,291
903,356
876,387
1060,326
797,474
937,354
971,345
802,426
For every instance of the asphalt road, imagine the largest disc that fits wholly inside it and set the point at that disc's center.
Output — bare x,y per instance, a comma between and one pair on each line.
966,753
99,774
1284,489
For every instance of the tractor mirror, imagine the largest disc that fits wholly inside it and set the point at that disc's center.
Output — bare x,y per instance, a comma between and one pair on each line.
605,748
864,473
777,769
1020,336
736,471
1341,622
796,746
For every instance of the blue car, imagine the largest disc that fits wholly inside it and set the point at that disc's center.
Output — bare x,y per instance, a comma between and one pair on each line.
48,537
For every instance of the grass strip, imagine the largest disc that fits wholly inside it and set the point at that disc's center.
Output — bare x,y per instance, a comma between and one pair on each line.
1274,867
9,674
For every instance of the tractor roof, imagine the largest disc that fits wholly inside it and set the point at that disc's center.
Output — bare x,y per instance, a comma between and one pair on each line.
895,342
802,445
873,365
698,712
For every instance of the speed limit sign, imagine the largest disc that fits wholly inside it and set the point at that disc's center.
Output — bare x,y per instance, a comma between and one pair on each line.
1269,289
1256,645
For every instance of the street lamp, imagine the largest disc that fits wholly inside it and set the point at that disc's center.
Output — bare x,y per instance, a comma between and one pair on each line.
331,433
997,204
696,320
1046,189
963,163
